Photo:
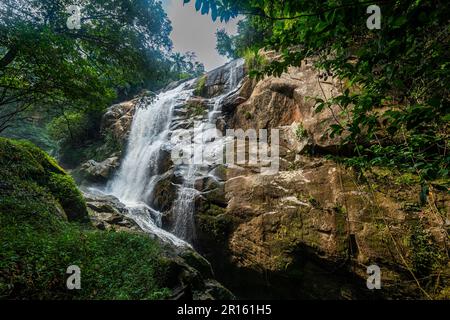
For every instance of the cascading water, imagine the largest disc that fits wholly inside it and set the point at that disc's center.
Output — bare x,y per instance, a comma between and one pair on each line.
149,140
139,171
184,206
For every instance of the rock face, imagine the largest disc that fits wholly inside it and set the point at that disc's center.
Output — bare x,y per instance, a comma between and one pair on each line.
276,102
118,119
311,230
99,172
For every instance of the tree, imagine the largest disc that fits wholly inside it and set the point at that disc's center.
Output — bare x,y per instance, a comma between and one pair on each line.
44,63
186,65
249,36
396,94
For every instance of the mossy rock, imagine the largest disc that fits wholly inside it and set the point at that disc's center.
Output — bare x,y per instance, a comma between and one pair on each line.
64,189
199,263
22,161
200,86
196,108
213,221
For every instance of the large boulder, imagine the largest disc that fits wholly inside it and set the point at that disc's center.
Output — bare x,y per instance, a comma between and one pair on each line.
320,219
280,101
118,118
98,172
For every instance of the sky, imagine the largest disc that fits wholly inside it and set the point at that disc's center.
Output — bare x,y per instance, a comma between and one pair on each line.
195,32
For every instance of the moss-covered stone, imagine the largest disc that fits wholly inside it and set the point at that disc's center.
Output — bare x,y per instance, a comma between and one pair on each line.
195,108
213,222
64,189
200,87
21,160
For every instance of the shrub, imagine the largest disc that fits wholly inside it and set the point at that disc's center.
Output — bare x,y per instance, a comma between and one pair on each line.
200,86
300,132
254,61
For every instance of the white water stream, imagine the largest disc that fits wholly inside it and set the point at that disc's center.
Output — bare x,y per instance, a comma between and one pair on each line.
140,169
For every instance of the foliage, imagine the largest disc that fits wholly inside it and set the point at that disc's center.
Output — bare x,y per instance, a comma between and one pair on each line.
34,262
254,61
74,74
73,128
396,104
225,45
185,66
300,132
248,36
38,244
120,43
33,131
425,252
200,86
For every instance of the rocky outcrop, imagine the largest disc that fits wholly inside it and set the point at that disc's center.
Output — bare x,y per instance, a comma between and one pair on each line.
117,120
276,102
187,274
311,230
99,172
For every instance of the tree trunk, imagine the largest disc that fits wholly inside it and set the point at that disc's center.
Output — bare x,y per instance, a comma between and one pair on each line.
9,57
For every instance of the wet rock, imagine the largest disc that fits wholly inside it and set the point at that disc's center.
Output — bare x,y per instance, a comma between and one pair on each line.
99,172
117,120
217,81
164,193
108,213
187,274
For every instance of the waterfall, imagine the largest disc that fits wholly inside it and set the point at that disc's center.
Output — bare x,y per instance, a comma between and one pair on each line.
139,170
184,205
149,142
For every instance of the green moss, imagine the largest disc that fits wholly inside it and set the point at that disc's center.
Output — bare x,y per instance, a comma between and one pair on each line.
312,201
300,132
425,256
201,86
248,115
64,189
21,160
407,179
196,261
254,61
214,221
195,109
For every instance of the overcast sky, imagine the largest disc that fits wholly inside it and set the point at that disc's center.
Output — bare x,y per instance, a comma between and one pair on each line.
195,32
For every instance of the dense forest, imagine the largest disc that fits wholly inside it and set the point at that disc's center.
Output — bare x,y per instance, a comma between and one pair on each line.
61,70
